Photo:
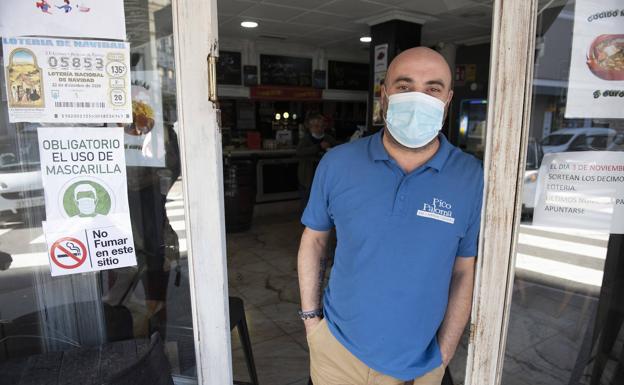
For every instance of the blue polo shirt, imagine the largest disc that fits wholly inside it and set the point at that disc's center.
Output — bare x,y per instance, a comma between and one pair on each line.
398,237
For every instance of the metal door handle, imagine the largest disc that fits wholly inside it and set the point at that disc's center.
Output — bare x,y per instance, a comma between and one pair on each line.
212,77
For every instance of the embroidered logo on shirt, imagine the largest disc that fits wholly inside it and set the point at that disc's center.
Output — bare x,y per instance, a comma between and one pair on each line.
438,210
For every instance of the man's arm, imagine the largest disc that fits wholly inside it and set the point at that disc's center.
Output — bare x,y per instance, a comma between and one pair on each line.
458,309
311,269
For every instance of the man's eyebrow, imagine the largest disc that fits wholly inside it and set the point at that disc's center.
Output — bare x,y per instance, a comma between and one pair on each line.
406,79
439,82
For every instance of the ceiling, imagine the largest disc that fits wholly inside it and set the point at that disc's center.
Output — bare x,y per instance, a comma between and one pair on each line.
338,24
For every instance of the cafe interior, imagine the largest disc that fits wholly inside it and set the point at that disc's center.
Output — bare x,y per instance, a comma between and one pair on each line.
285,66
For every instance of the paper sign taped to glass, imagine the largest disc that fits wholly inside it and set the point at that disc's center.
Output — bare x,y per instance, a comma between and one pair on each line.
145,137
596,83
83,172
581,190
67,80
103,19
89,244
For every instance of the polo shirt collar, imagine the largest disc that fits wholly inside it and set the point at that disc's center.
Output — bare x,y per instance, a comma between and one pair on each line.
378,151
439,158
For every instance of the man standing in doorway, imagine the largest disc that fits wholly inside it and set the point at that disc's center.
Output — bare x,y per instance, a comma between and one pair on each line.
406,205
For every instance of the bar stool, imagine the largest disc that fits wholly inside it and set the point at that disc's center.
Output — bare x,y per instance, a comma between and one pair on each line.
238,319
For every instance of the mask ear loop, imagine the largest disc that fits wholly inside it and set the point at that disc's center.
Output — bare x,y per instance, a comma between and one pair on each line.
383,114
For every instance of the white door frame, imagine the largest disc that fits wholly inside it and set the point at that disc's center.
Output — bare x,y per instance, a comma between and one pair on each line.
509,108
195,39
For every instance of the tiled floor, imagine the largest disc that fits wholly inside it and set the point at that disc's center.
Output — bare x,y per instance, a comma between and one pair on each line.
262,271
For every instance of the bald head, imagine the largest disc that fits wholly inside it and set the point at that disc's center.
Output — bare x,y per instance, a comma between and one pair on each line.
419,69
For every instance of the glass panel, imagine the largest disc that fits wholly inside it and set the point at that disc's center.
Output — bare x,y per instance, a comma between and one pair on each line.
106,310
566,315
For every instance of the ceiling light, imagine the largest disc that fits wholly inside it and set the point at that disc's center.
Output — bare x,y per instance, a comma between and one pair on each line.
366,39
249,24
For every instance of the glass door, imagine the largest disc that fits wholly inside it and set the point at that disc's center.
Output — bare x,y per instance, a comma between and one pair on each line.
65,299
566,315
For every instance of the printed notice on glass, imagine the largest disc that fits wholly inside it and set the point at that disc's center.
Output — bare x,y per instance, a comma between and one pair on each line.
596,83
145,137
581,190
67,81
87,225
103,19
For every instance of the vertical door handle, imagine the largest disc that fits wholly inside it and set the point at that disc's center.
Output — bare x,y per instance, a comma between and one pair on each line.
212,77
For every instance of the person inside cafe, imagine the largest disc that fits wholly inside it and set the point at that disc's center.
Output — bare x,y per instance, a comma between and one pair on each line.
310,149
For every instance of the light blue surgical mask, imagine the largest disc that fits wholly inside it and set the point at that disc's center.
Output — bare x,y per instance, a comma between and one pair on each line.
414,118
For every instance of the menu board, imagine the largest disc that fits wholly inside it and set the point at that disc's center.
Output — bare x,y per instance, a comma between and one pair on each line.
348,76
285,70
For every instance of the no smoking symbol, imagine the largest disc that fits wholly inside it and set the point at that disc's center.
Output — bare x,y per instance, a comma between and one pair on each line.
68,253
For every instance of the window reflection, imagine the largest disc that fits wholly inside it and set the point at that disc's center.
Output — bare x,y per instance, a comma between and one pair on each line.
566,324
40,314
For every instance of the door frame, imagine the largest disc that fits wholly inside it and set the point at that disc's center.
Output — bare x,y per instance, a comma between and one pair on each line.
195,34
511,75
509,109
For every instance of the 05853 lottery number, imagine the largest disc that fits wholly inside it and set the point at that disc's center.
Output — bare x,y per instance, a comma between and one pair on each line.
84,63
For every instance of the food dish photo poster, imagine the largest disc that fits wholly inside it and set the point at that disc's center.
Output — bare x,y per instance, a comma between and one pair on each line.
596,84
144,137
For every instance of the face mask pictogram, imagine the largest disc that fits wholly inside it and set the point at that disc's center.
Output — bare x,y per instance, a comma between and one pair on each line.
86,206
85,197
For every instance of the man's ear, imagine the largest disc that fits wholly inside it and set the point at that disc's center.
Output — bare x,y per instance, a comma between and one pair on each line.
448,105
450,97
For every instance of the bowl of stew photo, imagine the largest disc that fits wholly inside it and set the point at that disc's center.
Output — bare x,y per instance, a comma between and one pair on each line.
142,119
605,58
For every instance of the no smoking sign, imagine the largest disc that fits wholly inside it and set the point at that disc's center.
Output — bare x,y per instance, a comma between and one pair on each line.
82,245
68,253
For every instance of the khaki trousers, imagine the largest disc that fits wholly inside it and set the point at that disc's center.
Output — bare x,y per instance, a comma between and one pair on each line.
332,364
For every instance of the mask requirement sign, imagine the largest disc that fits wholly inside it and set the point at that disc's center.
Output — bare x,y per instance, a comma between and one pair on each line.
84,176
